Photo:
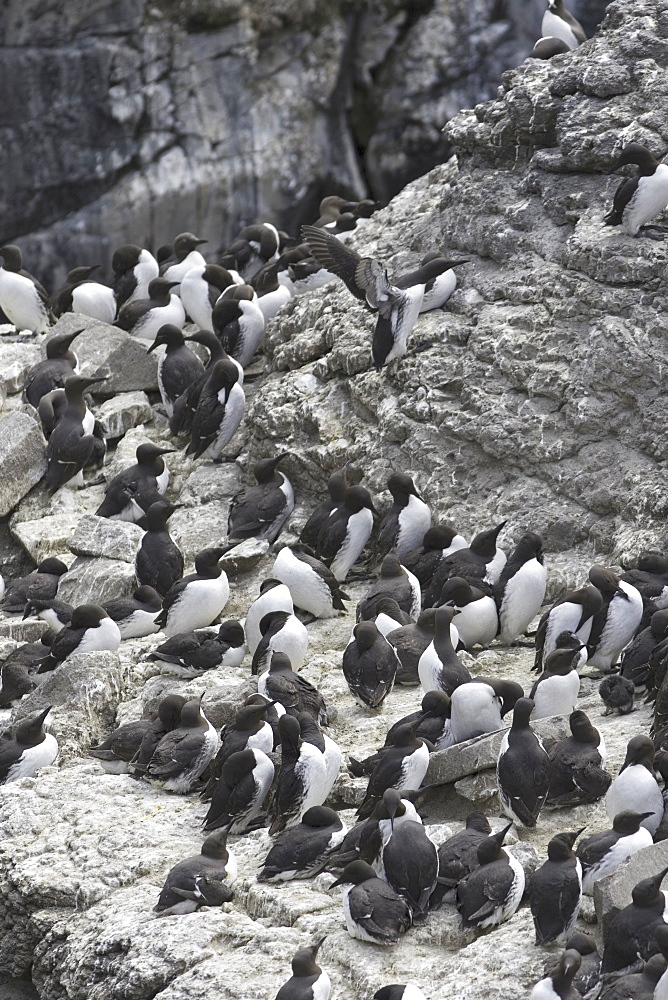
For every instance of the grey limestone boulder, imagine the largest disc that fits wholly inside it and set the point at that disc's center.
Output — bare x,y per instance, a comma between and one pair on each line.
123,411
96,579
22,458
100,536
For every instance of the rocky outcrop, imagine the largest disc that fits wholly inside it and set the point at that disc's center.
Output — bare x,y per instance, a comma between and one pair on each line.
541,400
209,115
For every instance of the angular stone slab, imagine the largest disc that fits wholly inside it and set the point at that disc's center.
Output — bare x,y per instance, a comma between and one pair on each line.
45,536
95,580
106,350
125,410
446,766
22,458
100,536
84,691
16,360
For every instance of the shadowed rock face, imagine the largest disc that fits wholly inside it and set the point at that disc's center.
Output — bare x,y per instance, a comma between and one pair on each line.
132,120
542,398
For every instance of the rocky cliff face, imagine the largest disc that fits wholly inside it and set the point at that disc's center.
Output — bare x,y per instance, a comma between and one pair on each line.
541,399
133,121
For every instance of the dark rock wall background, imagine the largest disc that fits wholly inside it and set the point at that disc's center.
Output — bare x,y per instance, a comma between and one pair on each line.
128,120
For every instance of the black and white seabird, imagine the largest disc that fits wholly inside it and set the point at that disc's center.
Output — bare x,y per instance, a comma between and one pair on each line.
639,199
373,911
615,624
220,409
637,656
439,667
52,373
404,526
602,853
201,287
402,765
238,797
520,589
22,298
302,851
574,612
346,531
312,585
368,280
337,484
238,322
410,642
51,408
144,317
369,666
254,247
308,981
478,707
122,745
70,447
178,366
30,654
439,542
492,892
589,972
636,787
547,47
42,583
630,934
248,730
556,690
282,632
555,890
190,654
186,256
410,862
395,582
558,984
522,769
90,630
642,985
274,596
440,283
458,856
185,406
482,560
432,724
206,879
617,694
283,686
196,600
136,615
168,718
577,765
477,618
159,561
260,511
661,989
27,749
182,754
272,288
15,682
399,991
87,297
301,778
148,473
558,22
134,269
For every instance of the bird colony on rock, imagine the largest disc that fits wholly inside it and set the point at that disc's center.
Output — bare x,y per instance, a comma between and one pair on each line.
433,598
